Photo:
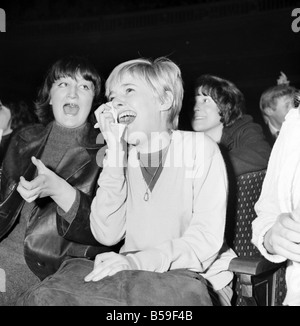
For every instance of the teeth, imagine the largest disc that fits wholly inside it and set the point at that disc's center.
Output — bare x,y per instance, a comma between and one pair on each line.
72,105
127,114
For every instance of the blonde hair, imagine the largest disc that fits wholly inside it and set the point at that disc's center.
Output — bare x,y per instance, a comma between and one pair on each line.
161,74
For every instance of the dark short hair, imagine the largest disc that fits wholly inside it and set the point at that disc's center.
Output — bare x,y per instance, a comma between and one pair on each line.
229,99
67,67
270,96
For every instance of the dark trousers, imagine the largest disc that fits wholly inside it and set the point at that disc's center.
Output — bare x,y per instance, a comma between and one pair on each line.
126,288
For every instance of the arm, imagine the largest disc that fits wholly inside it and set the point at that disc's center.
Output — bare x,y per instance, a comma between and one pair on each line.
74,225
284,236
108,209
47,183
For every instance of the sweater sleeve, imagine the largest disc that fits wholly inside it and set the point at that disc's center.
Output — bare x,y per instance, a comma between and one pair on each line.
108,209
199,245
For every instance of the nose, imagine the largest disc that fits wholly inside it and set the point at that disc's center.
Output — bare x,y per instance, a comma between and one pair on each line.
197,106
72,91
118,103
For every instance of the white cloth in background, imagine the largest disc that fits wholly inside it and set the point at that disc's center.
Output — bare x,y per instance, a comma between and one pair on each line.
281,194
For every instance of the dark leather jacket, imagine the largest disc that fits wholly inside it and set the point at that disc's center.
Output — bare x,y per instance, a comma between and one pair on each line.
44,248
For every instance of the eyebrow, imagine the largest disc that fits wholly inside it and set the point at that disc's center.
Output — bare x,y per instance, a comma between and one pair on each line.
128,84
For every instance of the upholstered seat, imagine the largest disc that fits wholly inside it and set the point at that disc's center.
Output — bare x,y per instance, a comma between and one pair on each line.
257,281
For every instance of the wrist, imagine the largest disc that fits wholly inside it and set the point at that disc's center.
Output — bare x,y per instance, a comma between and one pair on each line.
64,196
268,244
114,158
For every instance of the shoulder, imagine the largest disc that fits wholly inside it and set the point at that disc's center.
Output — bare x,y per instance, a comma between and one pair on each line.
30,132
243,125
195,142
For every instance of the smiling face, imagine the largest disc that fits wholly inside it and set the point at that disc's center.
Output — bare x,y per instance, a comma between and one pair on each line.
137,106
206,113
71,101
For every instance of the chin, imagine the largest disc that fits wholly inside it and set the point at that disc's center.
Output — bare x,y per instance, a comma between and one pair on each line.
197,128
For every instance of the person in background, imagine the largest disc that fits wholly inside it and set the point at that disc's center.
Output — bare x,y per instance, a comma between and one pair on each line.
219,112
22,114
161,190
6,130
275,102
51,168
276,230
13,116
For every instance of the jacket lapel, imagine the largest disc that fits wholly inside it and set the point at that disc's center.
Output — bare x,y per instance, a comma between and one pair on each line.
73,161
33,148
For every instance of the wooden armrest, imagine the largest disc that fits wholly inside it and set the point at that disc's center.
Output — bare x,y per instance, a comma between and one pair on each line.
252,266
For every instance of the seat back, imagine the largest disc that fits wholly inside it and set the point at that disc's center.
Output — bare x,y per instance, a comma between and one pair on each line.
249,187
240,215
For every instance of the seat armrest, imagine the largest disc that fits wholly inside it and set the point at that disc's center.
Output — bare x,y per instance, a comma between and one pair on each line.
252,266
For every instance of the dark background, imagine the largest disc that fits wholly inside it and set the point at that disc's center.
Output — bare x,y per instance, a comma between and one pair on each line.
247,42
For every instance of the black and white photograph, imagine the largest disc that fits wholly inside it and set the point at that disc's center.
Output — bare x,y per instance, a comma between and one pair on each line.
149,155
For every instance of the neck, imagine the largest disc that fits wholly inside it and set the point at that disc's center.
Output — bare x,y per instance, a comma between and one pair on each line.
215,133
155,142
60,127
274,123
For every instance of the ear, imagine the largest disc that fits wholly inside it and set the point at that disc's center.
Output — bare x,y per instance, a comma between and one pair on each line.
167,101
269,111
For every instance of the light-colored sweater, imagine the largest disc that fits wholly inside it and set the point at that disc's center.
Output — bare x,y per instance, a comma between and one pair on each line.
182,224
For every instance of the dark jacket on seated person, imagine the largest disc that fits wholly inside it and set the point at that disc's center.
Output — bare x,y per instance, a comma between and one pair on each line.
44,248
244,147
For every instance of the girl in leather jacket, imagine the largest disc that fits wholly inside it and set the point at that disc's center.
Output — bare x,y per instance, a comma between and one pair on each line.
50,175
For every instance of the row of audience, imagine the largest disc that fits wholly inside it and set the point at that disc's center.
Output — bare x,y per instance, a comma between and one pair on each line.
141,206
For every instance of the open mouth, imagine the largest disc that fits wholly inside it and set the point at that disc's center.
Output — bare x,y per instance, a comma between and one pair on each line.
71,108
126,117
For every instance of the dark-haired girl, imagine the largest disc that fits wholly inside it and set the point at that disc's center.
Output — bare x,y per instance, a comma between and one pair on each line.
50,168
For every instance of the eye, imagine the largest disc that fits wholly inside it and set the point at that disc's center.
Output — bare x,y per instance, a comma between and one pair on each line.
129,90
205,100
62,84
85,87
